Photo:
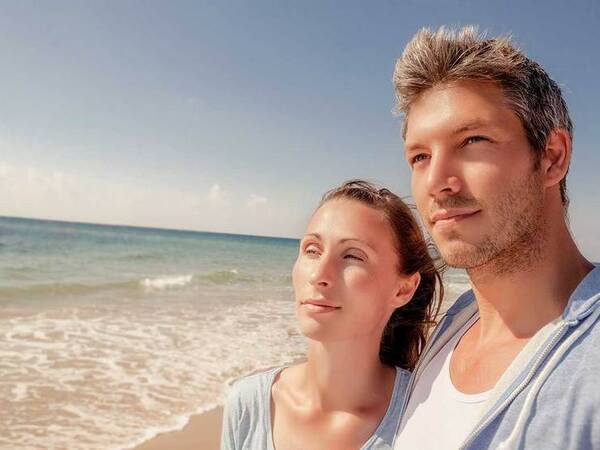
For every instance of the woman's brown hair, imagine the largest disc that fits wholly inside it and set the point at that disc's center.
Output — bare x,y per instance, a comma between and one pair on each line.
406,331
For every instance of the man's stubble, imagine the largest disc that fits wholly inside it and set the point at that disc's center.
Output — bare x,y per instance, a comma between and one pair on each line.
516,236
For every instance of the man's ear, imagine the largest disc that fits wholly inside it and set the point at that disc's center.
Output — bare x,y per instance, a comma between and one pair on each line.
407,285
556,158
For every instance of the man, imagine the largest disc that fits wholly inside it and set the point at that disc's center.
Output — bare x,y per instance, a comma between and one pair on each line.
515,362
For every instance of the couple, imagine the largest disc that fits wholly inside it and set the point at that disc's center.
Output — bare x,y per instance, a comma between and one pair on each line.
513,364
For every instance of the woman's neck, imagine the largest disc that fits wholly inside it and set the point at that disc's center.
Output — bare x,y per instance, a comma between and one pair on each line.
337,376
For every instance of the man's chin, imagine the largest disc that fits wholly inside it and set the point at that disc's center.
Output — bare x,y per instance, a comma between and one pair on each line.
462,255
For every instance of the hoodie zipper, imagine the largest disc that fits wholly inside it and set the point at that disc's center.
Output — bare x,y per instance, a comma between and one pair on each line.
491,417
557,336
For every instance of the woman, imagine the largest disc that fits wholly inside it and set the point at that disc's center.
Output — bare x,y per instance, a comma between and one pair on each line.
365,288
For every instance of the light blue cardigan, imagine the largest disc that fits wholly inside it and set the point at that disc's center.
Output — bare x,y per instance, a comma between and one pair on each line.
247,414
549,398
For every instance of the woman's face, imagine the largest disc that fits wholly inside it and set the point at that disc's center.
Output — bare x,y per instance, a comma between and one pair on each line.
346,278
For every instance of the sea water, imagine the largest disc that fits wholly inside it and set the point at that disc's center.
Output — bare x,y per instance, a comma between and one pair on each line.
111,334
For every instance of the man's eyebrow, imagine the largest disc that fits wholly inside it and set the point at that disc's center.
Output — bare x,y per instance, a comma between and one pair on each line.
476,124
411,147
469,126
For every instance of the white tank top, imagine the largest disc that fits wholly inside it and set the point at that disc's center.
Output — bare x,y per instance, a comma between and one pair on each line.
438,416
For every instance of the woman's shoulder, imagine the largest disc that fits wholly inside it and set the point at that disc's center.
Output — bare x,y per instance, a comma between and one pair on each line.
402,371
252,389
383,437
246,419
401,382
402,374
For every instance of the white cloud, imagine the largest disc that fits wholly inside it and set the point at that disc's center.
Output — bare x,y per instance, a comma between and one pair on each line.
217,196
255,201
38,192
27,191
42,193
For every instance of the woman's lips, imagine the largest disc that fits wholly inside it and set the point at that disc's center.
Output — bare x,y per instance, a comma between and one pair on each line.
318,306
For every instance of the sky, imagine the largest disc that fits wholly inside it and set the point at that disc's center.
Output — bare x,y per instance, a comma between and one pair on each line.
237,116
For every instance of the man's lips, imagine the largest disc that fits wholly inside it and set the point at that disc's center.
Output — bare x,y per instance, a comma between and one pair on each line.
319,306
447,216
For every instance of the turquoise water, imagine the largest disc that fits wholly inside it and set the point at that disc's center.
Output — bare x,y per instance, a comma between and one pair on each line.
42,258
111,334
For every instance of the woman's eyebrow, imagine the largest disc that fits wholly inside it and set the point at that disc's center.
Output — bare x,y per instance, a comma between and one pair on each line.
341,241
365,243
315,235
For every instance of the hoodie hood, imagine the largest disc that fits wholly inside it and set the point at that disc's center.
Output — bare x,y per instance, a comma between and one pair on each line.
583,298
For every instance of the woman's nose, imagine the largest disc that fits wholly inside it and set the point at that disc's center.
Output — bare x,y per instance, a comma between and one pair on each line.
322,272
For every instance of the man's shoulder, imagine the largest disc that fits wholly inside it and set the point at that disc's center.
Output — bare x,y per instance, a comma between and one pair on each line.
589,342
580,363
585,298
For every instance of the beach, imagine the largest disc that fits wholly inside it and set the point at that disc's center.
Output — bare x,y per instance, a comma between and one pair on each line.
112,335
124,338
202,432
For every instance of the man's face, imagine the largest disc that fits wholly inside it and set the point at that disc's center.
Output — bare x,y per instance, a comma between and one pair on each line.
473,176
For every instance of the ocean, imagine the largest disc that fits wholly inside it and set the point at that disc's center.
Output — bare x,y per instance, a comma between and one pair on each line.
110,335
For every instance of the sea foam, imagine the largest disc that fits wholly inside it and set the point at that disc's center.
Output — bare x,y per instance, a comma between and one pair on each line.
144,367
166,282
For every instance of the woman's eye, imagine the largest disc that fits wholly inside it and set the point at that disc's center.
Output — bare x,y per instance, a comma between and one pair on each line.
352,256
474,139
311,251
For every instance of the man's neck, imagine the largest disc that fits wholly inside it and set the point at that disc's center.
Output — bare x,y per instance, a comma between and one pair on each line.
513,306
520,302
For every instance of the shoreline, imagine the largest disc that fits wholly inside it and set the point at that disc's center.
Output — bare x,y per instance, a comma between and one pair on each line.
203,431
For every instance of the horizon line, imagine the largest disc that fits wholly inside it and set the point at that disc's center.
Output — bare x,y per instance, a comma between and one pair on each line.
146,227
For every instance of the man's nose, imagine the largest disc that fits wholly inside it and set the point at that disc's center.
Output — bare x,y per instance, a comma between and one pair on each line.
443,175
322,272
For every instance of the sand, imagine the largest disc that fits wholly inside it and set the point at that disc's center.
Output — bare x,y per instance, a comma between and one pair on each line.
202,432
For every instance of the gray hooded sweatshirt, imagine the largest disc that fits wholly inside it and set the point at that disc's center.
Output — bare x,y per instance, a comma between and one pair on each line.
549,397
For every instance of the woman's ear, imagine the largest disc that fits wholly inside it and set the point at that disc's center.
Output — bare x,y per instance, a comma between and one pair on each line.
407,285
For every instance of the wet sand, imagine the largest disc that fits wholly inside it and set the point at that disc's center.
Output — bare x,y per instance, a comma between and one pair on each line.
202,432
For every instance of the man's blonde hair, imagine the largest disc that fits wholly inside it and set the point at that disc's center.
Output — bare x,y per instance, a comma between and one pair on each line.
449,55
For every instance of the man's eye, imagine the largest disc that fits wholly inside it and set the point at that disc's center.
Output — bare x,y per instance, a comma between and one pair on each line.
417,158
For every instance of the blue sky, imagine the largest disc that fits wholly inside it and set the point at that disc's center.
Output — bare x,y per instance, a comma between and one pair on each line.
237,116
